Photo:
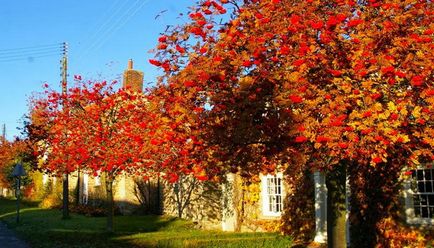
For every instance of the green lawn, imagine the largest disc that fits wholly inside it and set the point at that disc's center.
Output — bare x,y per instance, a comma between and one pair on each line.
44,228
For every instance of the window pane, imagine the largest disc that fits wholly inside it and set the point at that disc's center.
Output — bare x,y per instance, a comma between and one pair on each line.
420,187
423,200
431,212
279,203
424,211
431,200
428,174
419,175
270,204
428,187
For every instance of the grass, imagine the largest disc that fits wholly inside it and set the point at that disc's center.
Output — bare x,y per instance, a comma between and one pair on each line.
45,228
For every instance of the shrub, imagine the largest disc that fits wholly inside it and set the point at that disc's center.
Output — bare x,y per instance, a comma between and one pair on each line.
51,201
51,195
395,234
87,210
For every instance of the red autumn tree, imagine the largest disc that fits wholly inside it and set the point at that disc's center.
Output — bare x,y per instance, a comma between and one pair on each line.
243,125
47,131
355,78
11,153
177,147
104,132
113,132
178,143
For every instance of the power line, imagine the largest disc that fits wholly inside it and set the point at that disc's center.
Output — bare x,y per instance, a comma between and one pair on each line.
107,20
122,23
29,51
96,34
31,47
29,58
118,23
36,53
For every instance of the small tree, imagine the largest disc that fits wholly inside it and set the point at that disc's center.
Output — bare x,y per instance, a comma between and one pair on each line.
48,132
12,153
104,130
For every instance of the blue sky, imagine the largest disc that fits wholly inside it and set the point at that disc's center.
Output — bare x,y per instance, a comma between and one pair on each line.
102,35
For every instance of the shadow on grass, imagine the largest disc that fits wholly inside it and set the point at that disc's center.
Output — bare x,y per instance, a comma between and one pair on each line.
45,228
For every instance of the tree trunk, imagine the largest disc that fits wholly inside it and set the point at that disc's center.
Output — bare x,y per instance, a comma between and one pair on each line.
374,192
110,204
159,200
179,195
239,202
77,191
65,206
179,211
149,196
336,207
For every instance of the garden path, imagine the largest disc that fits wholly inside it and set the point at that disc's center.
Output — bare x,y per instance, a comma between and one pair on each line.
8,239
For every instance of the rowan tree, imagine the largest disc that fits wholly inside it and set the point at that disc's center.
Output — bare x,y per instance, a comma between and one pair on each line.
177,151
112,132
11,153
47,130
178,143
354,77
97,130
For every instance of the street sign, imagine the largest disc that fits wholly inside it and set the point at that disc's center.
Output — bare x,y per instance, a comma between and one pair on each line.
18,172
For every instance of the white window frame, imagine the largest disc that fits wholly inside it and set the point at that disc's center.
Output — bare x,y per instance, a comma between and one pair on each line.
97,181
45,178
265,195
409,194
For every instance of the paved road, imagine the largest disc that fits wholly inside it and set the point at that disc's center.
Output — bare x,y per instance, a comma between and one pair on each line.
8,239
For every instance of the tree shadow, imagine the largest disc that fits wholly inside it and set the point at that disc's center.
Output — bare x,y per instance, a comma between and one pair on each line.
45,228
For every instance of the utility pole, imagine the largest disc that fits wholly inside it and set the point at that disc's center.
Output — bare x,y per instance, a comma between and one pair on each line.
64,68
65,181
3,133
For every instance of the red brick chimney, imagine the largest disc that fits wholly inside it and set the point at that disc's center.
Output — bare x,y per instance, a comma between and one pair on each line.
133,79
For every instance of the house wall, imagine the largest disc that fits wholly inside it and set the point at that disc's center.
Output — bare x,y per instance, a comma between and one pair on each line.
123,191
124,194
243,206
204,208
231,205
6,192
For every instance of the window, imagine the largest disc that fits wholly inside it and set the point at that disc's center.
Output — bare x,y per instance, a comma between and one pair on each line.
423,193
97,181
45,178
272,195
419,197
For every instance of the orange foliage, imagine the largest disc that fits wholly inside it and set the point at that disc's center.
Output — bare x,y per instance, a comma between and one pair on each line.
10,153
356,76
395,235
